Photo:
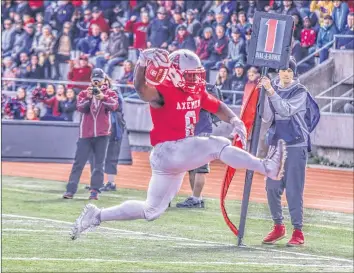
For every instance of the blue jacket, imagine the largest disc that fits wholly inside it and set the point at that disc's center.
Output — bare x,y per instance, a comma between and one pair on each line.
325,35
67,109
340,16
94,44
348,43
64,14
160,31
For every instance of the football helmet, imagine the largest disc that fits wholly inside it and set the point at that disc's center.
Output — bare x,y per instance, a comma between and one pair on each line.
186,71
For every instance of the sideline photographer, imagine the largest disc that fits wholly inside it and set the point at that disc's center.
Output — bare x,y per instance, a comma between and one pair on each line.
96,104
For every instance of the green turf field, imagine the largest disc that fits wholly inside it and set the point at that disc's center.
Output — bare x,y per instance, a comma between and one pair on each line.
36,224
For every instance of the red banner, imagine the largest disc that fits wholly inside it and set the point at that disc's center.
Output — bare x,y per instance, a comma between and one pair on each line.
248,113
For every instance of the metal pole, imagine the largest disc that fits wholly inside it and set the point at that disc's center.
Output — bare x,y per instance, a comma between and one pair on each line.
253,150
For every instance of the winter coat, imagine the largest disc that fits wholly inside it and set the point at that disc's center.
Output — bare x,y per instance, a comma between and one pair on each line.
67,109
325,35
139,29
80,75
96,119
203,50
160,31
101,22
219,49
118,45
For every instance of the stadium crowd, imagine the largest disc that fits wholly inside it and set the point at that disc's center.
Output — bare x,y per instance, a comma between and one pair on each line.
39,36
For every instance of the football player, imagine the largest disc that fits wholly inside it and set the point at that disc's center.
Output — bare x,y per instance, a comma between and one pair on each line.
175,105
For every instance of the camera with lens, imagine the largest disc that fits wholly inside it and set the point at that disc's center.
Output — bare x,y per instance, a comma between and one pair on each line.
96,90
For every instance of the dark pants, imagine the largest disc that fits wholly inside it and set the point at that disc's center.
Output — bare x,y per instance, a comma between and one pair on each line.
293,182
86,146
112,156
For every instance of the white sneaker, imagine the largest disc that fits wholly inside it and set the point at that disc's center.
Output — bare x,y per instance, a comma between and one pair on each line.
89,218
275,161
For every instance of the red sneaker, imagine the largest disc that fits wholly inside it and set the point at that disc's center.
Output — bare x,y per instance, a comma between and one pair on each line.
297,239
276,234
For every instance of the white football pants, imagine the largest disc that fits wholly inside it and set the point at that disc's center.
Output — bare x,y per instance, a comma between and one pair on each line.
169,162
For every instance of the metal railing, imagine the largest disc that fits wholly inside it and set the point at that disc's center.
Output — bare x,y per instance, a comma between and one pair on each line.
333,42
38,81
334,99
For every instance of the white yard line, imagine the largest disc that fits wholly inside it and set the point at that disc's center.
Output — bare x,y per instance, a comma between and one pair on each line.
188,239
171,262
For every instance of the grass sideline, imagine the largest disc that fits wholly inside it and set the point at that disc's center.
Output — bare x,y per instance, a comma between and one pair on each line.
36,224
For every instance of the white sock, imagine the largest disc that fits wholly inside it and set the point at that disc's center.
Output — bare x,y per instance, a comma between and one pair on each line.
196,198
110,178
129,210
240,159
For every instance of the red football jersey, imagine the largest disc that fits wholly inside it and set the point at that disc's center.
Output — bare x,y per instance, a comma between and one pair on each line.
177,118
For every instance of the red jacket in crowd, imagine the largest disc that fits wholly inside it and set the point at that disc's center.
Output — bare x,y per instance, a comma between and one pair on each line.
82,74
101,22
140,33
308,37
96,119
35,4
76,3
54,104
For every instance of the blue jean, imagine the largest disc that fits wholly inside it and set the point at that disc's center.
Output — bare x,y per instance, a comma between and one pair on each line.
101,61
324,55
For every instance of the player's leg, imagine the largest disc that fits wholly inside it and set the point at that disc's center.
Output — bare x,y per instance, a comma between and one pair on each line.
192,152
162,188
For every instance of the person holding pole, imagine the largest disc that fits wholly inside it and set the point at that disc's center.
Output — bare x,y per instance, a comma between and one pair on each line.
287,107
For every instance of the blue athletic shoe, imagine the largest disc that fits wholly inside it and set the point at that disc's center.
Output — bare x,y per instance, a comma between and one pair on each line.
109,187
191,202
93,195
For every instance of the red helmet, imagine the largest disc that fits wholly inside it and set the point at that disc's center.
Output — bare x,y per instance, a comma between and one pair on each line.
186,71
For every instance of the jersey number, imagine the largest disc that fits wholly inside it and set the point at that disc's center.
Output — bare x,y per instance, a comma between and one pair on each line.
191,120
271,35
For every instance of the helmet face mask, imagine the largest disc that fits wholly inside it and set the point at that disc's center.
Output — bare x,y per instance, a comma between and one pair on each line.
186,71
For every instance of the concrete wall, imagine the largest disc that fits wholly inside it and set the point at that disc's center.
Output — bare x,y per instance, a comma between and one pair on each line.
344,65
45,141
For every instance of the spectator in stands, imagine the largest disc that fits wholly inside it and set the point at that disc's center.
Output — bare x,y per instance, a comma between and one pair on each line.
248,36
31,115
37,35
52,100
102,49
347,43
219,50
22,7
297,26
216,7
243,25
29,28
90,44
340,14
139,29
322,9
192,24
35,70
308,34
117,50
81,25
23,68
223,82
250,8
27,19
348,108
19,42
160,31
15,108
127,78
7,36
39,18
288,8
236,49
99,20
227,8
238,81
176,19
63,46
220,19
206,44
208,22
326,34
44,50
79,71
63,14
36,6
231,24
8,71
67,106
7,6
184,39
